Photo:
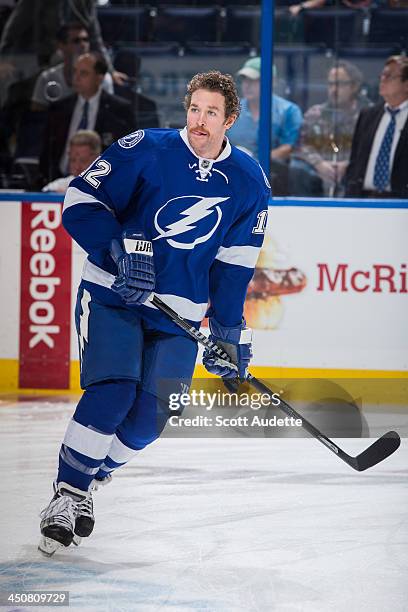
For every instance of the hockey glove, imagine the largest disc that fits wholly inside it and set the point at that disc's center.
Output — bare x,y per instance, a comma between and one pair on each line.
237,342
136,277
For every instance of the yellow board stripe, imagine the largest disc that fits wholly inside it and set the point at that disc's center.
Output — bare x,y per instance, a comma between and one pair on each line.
9,376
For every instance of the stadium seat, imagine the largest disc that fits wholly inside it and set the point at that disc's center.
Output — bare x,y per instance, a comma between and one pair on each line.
185,23
287,29
330,27
366,52
154,48
217,49
242,24
389,27
127,60
124,24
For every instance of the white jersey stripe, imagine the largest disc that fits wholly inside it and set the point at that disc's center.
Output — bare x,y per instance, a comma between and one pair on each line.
76,196
87,441
96,275
186,308
245,256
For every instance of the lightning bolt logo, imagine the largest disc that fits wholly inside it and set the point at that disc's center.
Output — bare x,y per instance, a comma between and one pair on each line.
189,219
83,322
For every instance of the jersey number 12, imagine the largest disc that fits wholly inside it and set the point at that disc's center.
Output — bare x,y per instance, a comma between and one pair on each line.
102,168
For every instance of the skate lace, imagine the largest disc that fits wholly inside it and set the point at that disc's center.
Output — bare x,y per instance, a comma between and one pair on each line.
85,507
62,511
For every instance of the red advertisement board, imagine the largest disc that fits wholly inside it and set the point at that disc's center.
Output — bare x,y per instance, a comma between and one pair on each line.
45,303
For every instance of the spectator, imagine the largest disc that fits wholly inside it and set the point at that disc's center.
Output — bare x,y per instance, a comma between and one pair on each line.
327,132
286,116
85,11
286,122
55,83
33,24
30,29
84,147
89,108
379,154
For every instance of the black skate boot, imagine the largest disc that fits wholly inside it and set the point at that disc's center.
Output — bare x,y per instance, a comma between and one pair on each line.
85,520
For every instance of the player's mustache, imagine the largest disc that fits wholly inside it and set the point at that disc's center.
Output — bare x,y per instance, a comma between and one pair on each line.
198,128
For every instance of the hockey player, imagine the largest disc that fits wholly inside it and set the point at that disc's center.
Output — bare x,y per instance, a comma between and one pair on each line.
197,207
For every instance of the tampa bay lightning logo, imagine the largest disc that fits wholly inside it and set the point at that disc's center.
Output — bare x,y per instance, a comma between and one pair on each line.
192,219
131,140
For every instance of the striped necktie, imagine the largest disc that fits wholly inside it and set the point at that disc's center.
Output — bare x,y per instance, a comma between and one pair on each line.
382,163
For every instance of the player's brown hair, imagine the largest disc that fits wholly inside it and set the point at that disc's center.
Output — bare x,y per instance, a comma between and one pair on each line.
219,82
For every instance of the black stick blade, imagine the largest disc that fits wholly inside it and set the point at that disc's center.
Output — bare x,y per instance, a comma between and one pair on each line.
378,451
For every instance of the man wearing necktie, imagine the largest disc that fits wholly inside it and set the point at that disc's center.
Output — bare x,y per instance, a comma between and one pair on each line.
378,166
90,108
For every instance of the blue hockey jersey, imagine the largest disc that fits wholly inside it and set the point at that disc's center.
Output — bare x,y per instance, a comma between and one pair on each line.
205,218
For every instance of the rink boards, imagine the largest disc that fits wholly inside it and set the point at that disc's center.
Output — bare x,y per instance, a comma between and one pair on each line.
329,296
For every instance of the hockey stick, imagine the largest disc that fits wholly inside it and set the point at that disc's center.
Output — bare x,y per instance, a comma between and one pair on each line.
378,451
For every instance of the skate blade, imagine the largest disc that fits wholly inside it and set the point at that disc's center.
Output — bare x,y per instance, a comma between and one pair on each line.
48,546
77,540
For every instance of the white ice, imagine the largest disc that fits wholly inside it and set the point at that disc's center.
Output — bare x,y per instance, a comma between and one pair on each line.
219,525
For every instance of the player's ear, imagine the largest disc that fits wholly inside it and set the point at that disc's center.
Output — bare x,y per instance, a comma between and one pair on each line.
230,121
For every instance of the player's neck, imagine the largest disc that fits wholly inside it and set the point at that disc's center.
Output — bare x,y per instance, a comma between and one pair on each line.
209,153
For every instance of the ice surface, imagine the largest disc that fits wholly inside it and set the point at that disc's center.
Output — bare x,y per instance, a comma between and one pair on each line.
219,525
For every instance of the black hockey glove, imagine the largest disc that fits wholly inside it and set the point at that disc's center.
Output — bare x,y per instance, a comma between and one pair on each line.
136,277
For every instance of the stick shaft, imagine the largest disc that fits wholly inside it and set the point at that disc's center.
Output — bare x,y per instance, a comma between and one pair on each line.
379,450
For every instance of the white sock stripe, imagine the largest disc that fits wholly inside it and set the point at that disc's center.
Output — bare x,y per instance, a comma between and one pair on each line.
87,441
119,453
106,468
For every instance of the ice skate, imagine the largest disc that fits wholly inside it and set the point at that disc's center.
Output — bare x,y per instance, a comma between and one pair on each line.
59,518
85,521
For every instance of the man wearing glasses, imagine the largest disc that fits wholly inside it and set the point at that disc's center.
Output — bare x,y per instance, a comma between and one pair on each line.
55,83
379,156
327,132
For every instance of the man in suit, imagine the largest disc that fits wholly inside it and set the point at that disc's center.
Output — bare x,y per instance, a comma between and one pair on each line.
89,108
378,166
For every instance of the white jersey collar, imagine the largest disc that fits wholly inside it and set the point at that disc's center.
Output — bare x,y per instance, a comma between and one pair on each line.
226,152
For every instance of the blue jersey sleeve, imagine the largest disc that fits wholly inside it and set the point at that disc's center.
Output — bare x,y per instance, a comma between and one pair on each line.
96,202
235,262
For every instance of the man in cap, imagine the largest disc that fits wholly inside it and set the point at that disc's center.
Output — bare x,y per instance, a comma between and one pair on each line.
286,116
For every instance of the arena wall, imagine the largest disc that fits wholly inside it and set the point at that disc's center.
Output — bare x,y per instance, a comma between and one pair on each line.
329,296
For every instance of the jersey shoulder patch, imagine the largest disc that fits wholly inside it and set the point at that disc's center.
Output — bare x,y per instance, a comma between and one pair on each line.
131,140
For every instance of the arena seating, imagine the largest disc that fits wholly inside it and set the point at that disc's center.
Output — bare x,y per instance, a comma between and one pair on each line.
183,23
216,49
389,27
331,27
125,24
242,24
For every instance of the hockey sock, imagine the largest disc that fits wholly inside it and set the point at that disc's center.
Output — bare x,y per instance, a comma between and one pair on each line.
142,426
91,431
